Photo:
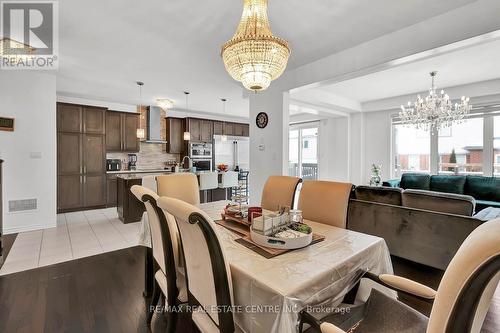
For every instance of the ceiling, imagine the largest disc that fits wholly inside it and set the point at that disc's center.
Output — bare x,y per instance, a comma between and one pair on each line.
173,46
466,66
474,64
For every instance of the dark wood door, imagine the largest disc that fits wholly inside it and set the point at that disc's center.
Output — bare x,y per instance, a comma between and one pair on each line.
175,141
195,129
228,129
246,130
111,191
94,120
69,192
207,130
218,127
238,129
94,154
130,126
94,187
113,131
69,153
69,118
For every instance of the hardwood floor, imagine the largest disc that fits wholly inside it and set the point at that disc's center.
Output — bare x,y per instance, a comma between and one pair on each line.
103,293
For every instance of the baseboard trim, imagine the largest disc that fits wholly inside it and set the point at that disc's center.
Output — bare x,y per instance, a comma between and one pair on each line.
26,228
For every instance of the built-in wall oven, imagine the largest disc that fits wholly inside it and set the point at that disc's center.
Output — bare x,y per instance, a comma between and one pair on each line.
198,150
202,164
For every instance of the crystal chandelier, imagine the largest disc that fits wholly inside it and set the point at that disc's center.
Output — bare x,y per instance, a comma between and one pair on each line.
254,56
434,112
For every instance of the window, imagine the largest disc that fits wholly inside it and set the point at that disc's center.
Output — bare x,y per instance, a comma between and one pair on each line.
411,149
461,151
496,146
303,152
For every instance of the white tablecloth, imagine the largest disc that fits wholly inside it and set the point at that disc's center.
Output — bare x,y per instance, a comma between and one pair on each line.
271,292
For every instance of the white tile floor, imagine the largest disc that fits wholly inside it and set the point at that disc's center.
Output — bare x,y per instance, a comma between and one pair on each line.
77,235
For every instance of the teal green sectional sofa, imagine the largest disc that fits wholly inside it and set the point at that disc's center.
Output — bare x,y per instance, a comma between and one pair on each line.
485,190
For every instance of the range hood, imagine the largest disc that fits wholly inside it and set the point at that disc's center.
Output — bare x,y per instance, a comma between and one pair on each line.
154,125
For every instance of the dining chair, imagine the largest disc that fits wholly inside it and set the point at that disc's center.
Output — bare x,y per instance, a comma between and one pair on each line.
229,181
150,183
183,186
165,255
459,305
208,181
207,272
325,202
279,191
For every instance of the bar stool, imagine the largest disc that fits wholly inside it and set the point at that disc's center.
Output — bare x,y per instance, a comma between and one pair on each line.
229,180
208,181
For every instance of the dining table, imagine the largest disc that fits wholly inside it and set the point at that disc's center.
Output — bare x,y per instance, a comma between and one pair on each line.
269,293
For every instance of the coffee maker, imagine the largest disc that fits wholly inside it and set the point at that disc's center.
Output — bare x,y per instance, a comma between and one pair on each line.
132,161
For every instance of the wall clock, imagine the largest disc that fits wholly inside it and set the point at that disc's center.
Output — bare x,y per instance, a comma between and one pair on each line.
262,120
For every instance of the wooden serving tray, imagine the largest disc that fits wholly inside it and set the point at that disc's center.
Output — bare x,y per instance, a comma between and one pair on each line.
245,240
239,220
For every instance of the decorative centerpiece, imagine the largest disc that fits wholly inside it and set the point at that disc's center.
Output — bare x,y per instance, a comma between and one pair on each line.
222,167
283,230
375,180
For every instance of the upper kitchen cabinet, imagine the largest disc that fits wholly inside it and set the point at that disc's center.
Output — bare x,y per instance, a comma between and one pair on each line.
94,120
69,118
175,131
72,118
200,130
218,128
121,132
207,130
228,129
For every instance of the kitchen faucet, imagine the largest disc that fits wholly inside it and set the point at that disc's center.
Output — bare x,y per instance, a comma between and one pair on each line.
190,163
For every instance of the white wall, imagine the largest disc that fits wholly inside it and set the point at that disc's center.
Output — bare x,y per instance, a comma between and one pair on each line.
333,156
30,98
272,156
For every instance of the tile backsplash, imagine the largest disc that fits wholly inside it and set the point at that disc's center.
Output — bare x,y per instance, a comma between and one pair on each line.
150,156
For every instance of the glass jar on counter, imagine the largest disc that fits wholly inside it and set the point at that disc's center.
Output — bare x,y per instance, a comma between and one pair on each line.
296,216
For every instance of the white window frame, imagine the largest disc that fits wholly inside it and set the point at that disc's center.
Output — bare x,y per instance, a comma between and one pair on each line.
486,112
300,127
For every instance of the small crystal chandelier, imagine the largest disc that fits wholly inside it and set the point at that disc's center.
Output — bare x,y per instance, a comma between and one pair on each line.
434,112
254,56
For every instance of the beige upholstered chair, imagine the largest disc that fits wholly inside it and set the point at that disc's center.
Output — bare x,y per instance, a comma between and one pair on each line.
183,186
165,254
279,191
460,303
325,202
207,272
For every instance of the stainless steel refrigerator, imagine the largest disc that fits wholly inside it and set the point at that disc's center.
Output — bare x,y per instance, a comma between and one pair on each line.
233,151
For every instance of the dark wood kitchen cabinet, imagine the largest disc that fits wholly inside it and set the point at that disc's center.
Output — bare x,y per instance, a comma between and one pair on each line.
81,157
218,127
200,130
228,128
121,131
175,135
112,189
207,130
194,127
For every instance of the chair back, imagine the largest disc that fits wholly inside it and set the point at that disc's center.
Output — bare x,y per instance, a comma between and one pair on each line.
229,179
208,275
279,191
209,180
465,292
325,202
183,186
161,238
150,183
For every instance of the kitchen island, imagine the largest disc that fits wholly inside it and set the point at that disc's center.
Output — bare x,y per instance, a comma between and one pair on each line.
130,209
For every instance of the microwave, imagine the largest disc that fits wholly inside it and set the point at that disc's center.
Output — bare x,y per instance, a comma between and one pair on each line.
200,150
